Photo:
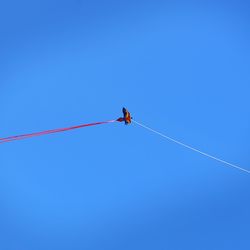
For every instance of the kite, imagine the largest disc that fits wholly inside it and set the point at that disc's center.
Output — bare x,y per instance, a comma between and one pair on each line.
126,118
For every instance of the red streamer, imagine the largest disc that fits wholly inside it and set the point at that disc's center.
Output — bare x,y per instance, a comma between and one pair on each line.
51,131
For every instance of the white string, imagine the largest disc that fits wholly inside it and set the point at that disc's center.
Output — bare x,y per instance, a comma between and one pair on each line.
191,148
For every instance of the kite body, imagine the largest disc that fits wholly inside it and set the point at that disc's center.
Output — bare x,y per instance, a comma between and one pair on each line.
126,117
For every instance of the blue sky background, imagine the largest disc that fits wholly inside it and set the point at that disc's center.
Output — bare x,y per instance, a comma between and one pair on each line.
181,67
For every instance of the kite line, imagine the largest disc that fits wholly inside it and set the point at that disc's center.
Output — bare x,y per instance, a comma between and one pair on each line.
191,148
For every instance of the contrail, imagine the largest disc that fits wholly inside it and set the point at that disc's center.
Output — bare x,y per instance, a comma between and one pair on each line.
193,149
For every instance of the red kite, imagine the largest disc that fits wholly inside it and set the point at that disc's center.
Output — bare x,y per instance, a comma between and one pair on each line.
126,117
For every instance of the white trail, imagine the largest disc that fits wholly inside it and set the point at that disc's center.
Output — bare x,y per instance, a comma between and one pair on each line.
193,149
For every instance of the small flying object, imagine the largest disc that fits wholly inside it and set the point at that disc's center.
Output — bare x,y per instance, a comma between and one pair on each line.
126,117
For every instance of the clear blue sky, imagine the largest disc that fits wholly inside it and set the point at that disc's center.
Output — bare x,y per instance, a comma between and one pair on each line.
181,67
